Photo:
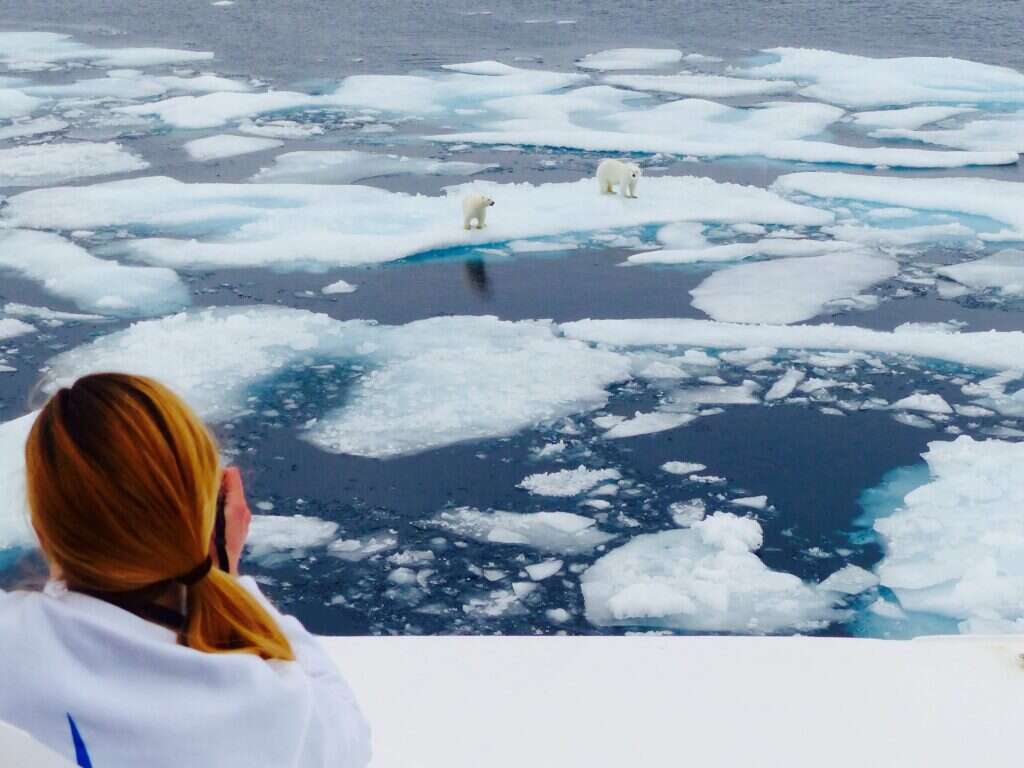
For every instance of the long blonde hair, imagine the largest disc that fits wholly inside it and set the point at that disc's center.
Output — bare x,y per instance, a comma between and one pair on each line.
122,485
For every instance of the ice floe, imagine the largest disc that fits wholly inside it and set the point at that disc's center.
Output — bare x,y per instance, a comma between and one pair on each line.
990,198
288,535
788,290
225,145
347,166
648,424
557,532
850,580
954,546
908,117
682,467
98,285
769,247
567,482
630,58
925,403
36,165
28,50
1004,132
20,129
863,81
1003,272
704,578
292,225
339,286
703,86
427,384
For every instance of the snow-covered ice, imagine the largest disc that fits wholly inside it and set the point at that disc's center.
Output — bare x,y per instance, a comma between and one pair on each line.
339,286
225,145
347,166
557,532
1003,132
648,424
567,482
20,48
954,546
788,290
850,580
705,578
863,81
925,403
768,247
630,58
1003,272
704,86
291,225
287,534
69,271
682,467
908,117
37,165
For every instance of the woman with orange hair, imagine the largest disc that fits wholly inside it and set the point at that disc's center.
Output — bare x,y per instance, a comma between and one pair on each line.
141,650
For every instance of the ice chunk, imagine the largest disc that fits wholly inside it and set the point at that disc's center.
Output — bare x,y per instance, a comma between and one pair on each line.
1003,271
24,128
17,48
955,545
32,165
280,129
567,482
784,385
630,58
997,350
751,502
558,615
544,570
212,225
686,513
862,81
682,467
340,286
213,110
357,550
15,103
69,271
271,534
347,166
704,86
15,530
910,117
50,317
998,133
788,290
648,424
225,145
922,402
430,383
913,420
850,580
772,247
9,328
991,198
560,532
693,397
705,578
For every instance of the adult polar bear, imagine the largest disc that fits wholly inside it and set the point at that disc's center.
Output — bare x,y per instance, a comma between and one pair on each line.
615,173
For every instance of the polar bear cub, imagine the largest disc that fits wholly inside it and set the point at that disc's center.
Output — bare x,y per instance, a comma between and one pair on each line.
612,173
475,207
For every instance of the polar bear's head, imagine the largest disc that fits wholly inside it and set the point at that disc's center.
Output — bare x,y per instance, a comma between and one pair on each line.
634,170
487,201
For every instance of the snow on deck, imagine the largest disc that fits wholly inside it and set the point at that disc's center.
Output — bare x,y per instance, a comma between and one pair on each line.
687,701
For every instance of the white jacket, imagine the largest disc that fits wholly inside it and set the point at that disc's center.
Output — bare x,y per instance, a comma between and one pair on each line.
136,698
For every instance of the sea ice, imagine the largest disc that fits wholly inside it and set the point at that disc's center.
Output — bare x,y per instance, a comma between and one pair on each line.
17,48
704,86
15,103
788,290
862,81
37,165
705,578
543,570
648,424
357,550
225,145
347,166
955,545
907,118
24,128
70,272
784,385
567,482
682,467
924,403
630,58
292,534
769,247
292,225
850,580
557,532
751,502
1003,271
339,286
1003,132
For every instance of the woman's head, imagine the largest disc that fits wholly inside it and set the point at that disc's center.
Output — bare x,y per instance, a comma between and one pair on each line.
122,487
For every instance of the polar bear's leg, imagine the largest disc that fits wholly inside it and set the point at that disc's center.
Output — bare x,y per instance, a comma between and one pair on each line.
481,218
467,222
632,187
624,188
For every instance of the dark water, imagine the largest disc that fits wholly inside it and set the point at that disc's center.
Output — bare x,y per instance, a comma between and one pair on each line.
812,466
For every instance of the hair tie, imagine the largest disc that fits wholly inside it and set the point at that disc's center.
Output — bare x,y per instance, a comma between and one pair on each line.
197,574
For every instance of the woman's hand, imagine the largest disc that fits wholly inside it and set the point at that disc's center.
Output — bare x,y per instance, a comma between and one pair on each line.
236,516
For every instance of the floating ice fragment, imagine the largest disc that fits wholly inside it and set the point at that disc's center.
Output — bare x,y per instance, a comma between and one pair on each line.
850,580
912,420
544,570
225,145
271,534
630,58
648,424
788,290
686,513
704,86
347,166
567,482
339,286
1003,132
50,47
32,165
356,550
751,502
561,532
785,384
700,579
682,467
738,251
1003,271
910,117
24,128
925,403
